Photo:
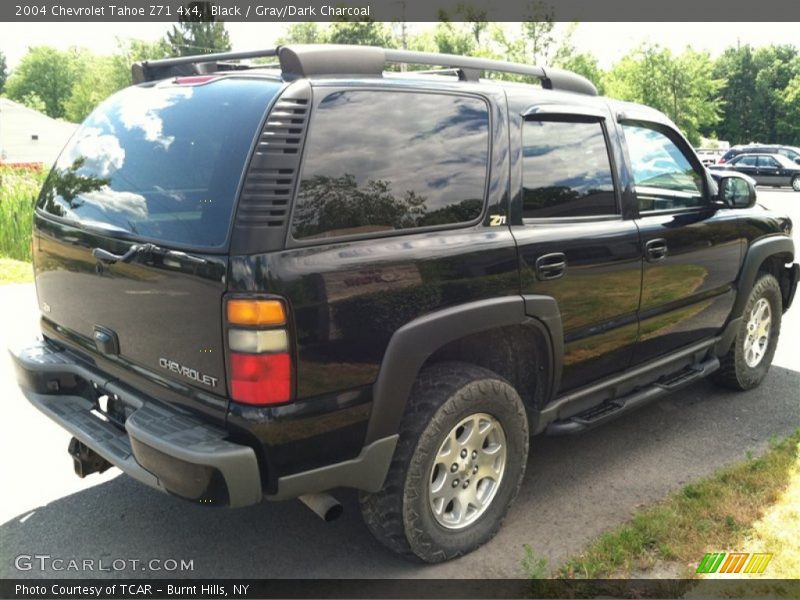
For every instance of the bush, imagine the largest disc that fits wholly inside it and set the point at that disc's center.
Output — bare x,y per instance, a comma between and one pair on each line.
19,187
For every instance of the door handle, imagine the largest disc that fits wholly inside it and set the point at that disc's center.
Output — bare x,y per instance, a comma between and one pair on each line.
655,250
551,266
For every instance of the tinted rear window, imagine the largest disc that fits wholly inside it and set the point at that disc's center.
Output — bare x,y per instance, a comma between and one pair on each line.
566,171
161,163
380,161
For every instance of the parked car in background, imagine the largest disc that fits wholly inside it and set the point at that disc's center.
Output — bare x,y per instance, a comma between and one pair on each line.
709,156
789,152
766,169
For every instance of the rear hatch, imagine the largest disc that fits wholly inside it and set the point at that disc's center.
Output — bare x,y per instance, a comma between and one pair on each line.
151,178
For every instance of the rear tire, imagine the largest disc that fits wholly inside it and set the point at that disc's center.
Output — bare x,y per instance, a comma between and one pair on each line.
430,506
749,358
796,183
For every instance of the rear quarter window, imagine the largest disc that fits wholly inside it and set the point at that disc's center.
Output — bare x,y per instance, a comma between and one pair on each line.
161,163
383,161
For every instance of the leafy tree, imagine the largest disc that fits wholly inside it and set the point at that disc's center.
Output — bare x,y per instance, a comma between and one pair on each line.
738,70
32,100
3,71
450,39
760,102
586,65
683,87
789,119
131,51
303,33
777,65
94,84
198,33
47,74
365,33
360,33
102,76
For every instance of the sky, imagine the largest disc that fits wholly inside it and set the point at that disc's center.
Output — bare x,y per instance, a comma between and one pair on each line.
607,41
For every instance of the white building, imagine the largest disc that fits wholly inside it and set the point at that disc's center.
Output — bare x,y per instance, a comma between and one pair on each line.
28,136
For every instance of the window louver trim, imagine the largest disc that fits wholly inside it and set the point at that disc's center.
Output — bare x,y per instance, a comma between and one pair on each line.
265,200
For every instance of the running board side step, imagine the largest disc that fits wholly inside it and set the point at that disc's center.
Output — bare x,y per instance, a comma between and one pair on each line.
611,409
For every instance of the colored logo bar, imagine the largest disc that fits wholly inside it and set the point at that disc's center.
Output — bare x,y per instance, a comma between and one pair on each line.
734,562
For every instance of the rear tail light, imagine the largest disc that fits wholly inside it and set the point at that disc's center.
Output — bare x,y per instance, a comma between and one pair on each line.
256,312
260,361
261,378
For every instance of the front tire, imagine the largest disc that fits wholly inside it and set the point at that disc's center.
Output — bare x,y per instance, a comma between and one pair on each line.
457,468
749,358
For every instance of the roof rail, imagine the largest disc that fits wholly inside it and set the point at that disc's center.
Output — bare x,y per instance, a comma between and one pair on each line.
331,59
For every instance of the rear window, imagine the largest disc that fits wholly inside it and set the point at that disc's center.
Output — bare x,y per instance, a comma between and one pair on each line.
161,163
379,161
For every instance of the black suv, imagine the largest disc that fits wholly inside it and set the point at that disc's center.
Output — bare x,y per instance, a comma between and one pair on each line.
271,282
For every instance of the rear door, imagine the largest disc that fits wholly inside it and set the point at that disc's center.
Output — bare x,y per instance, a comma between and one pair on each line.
748,165
574,244
157,165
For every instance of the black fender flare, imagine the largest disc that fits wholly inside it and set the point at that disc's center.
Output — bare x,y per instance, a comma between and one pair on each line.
414,342
757,253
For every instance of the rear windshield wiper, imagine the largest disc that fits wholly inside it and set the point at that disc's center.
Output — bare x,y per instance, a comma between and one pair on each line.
146,251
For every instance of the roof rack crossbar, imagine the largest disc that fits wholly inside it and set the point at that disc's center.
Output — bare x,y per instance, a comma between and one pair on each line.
319,60
150,70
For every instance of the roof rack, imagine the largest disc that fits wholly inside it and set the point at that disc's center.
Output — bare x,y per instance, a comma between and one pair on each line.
311,60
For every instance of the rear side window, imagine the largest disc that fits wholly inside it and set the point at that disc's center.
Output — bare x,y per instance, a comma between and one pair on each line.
161,163
566,171
745,161
380,161
768,161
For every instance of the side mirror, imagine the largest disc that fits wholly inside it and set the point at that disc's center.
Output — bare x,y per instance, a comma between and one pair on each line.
797,160
737,192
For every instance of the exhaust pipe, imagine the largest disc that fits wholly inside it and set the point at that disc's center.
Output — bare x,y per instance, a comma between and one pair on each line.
325,506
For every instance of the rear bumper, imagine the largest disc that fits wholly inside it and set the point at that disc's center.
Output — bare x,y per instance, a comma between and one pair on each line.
167,448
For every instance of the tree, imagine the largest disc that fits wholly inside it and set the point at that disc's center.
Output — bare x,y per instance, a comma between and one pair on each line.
365,33
539,41
737,69
131,51
3,71
47,74
94,84
789,120
683,87
450,39
199,33
102,76
758,94
303,33
586,65
776,66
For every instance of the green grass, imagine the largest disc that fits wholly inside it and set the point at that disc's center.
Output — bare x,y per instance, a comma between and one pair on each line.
18,191
716,514
15,271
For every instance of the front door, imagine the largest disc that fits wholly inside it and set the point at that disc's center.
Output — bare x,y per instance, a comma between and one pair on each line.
769,171
691,248
748,165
